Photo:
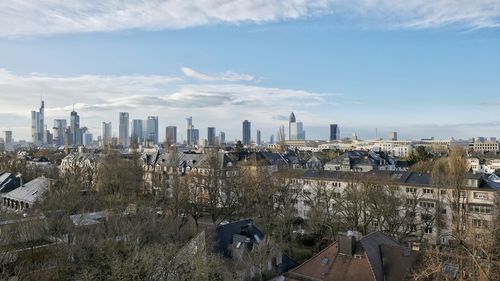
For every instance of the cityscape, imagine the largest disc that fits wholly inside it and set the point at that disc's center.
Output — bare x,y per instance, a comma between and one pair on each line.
298,140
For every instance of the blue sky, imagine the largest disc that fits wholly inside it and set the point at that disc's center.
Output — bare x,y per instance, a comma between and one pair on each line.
422,69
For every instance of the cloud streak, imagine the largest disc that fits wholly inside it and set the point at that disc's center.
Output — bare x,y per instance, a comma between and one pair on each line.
50,17
229,76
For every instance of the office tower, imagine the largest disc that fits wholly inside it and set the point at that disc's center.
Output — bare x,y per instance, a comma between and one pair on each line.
301,134
189,128
152,129
195,136
393,136
258,137
8,137
38,125
211,136
292,127
123,129
334,132
354,136
137,131
222,137
88,139
271,139
48,137
247,132
106,133
58,131
171,134
75,132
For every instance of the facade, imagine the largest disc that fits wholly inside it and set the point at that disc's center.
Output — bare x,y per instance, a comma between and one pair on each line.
393,136
259,142
136,135
486,146
424,201
247,132
76,135
88,139
222,137
189,131
195,136
211,136
106,133
334,132
152,129
58,130
38,125
25,196
123,129
171,134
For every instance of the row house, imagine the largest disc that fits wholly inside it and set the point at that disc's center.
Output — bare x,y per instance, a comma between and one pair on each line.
425,200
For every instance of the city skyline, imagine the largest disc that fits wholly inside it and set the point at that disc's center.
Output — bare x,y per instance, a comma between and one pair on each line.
431,69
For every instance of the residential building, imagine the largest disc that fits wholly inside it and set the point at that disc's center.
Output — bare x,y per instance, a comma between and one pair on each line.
374,257
123,129
247,132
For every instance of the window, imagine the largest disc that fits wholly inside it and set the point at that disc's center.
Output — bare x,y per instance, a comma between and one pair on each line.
411,202
481,195
480,209
428,230
462,194
427,205
480,223
428,191
443,192
411,190
426,217
336,195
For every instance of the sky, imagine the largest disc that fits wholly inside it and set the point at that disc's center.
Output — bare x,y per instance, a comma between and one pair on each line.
421,68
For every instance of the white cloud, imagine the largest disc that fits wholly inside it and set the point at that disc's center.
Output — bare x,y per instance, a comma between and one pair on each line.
99,98
48,17
226,76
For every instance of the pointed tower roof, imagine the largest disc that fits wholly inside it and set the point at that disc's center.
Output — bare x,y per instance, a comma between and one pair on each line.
292,118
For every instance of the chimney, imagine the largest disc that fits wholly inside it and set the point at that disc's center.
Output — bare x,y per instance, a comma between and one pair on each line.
347,244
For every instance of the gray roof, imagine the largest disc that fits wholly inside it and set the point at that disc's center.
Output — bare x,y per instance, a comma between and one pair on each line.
8,182
87,218
371,244
31,191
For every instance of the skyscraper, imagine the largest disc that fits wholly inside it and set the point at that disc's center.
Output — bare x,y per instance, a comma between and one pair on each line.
123,127
87,139
211,136
38,125
222,137
271,139
171,134
258,137
106,133
195,136
247,132
152,129
393,136
137,135
301,134
292,127
8,137
189,129
334,132
58,131
76,133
